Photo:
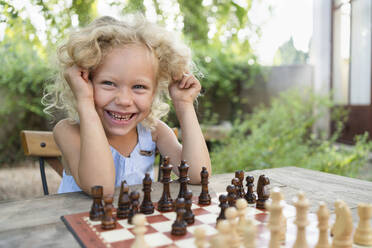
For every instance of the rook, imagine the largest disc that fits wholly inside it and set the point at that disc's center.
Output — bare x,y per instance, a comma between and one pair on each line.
96,211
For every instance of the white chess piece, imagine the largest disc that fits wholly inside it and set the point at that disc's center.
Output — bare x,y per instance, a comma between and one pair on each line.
323,218
139,221
200,237
301,221
231,214
241,205
274,223
249,234
283,221
343,227
363,233
221,239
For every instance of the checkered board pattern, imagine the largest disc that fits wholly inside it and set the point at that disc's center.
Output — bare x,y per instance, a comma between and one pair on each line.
159,225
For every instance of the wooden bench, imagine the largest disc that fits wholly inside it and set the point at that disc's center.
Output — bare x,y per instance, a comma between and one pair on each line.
41,144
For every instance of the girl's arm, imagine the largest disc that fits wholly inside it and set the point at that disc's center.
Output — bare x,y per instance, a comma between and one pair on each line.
85,147
194,149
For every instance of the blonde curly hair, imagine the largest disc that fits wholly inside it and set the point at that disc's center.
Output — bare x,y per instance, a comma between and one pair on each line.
88,46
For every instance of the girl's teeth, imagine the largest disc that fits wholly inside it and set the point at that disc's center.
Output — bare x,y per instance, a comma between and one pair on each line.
120,117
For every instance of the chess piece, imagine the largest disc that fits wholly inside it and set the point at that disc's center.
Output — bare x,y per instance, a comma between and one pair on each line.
96,211
363,233
250,196
165,204
275,208
204,197
301,204
147,207
139,221
200,237
179,225
221,239
337,205
240,175
262,191
134,196
343,228
234,238
231,196
249,234
235,182
323,217
283,220
189,216
108,220
223,205
123,202
184,179
241,205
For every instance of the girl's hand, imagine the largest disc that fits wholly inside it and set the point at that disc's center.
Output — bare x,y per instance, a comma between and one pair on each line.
78,80
185,89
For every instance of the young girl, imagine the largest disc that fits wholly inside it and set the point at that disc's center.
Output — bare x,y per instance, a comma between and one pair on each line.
115,78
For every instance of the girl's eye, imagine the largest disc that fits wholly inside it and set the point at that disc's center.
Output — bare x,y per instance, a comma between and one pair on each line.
109,83
138,86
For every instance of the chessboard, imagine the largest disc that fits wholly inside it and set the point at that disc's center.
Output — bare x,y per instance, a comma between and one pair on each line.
90,234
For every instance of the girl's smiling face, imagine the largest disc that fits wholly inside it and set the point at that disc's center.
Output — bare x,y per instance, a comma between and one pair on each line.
124,87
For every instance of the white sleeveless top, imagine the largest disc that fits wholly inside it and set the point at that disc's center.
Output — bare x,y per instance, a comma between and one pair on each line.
132,168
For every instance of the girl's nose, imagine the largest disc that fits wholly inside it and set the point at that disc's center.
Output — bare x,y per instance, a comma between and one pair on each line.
124,97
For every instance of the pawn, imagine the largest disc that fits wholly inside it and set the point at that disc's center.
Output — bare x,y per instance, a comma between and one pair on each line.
189,216
124,201
221,239
96,211
179,225
223,206
250,196
139,221
231,215
240,175
363,233
249,234
134,196
200,237
235,182
231,196
241,205
108,220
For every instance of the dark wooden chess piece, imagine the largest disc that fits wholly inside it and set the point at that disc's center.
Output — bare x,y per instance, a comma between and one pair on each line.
204,197
223,205
108,219
179,225
96,211
235,182
240,175
189,216
165,204
123,202
250,196
147,207
263,192
184,179
134,196
231,196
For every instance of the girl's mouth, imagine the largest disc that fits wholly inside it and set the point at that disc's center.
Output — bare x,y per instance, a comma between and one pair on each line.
120,117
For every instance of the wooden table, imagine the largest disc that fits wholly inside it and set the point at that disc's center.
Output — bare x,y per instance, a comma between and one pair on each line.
36,222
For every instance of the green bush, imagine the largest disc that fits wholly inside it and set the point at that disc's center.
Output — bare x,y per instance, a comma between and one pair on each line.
23,73
281,135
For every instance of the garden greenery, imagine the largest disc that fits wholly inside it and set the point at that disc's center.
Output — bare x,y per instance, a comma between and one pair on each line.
281,135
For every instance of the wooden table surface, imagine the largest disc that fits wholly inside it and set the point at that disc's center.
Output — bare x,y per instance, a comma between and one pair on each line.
36,222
